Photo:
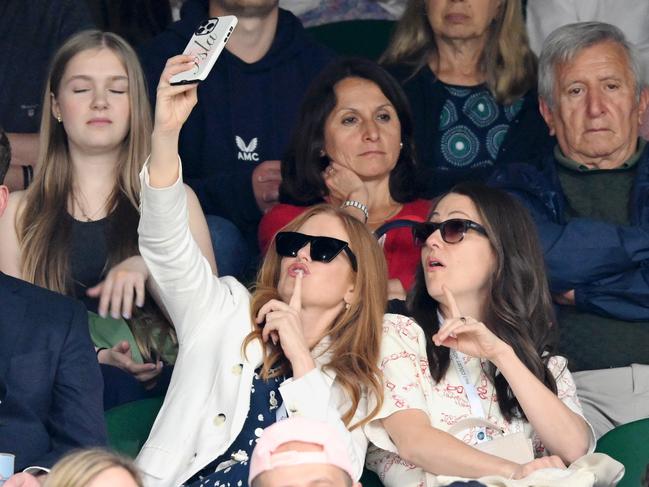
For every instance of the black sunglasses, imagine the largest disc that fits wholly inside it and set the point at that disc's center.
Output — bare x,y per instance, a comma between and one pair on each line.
452,230
323,249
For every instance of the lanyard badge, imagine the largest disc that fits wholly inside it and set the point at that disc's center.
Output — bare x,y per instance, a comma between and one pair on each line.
472,395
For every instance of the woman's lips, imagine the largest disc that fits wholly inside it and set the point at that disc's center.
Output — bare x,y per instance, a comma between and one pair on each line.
295,268
456,18
99,121
433,263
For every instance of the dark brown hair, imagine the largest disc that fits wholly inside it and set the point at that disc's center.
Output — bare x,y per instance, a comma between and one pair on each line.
519,307
302,180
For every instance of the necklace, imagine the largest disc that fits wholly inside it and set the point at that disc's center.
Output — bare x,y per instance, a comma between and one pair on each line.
91,217
390,214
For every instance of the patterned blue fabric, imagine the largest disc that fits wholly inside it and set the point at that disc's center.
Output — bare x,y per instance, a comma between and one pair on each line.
341,10
472,127
231,469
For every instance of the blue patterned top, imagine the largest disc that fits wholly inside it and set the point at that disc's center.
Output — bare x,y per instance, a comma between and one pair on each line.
232,467
472,127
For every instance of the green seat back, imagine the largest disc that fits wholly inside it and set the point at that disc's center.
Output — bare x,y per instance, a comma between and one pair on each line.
129,424
629,445
366,38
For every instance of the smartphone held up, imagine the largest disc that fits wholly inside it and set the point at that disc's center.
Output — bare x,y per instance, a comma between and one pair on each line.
206,44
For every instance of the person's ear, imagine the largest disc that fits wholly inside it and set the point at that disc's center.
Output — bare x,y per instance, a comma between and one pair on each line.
349,296
642,104
4,198
56,109
546,113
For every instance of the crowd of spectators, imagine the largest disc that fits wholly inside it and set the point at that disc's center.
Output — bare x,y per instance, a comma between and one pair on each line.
432,267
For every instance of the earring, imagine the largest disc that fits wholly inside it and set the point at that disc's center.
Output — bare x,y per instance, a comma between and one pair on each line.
58,118
400,145
322,153
347,305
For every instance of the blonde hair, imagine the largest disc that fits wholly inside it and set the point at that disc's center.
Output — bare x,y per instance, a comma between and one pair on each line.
44,226
355,334
508,63
79,468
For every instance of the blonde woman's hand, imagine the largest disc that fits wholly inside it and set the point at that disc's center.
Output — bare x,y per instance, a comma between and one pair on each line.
524,470
123,287
344,184
283,326
466,334
174,103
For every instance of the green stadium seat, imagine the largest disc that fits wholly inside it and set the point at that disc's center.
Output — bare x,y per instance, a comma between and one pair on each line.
366,38
129,424
629,445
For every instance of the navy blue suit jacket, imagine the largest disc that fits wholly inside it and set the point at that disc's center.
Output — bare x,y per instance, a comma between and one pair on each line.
50,383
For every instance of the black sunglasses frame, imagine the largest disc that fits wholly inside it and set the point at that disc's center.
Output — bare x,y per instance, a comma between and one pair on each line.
422,231
287,244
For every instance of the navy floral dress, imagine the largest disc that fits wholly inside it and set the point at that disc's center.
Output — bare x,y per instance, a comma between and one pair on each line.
231,468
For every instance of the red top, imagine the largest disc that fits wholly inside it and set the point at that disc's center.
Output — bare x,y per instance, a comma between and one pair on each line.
400,252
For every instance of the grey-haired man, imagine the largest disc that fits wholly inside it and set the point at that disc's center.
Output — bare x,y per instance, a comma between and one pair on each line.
590,201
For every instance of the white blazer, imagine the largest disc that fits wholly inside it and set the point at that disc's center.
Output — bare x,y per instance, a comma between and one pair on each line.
209,394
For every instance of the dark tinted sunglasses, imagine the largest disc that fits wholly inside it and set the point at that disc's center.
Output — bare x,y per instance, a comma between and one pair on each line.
452,230
323,249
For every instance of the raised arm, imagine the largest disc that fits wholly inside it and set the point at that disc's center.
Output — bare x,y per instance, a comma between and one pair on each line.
561,430
404,427
182,274
173,106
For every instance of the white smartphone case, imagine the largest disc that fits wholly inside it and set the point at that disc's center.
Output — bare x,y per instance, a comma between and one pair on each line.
206,44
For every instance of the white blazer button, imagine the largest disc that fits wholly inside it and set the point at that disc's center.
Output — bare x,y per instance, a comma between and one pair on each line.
219,419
